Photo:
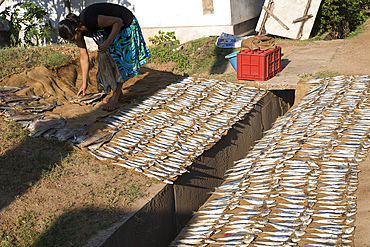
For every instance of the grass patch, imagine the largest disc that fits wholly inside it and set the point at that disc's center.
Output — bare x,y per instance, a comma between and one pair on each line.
325,73
194,57
15,59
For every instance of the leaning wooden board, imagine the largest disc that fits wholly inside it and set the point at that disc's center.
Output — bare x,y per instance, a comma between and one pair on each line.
288,11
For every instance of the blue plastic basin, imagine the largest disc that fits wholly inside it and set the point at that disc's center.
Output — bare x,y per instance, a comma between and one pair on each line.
232,59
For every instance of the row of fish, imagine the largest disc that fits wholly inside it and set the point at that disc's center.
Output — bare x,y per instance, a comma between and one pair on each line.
296,187
161,136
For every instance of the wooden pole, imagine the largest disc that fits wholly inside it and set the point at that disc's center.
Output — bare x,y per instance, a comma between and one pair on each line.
303,18
262,28
276,18
300,31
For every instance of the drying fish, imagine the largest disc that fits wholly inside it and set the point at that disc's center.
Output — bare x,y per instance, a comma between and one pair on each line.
6,108
24,117
21,98
99,138
41,107
68,133
39,127
50,134
319,130
88,98
9,89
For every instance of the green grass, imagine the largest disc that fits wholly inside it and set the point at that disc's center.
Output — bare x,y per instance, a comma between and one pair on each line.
15,59
194,57
359,30
325,73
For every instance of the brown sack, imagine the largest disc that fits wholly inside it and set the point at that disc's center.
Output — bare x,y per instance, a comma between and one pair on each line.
258,43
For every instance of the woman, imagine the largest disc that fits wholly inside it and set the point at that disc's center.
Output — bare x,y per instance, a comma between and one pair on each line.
122,39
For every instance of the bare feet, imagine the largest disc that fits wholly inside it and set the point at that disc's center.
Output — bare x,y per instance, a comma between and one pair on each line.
110,106
112,102
107,99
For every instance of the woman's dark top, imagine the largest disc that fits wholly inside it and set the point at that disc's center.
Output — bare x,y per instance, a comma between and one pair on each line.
89,16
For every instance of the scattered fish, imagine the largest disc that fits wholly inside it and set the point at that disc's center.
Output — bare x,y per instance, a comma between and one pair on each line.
68,133
39,127
9,89
40,107
88,98
20,98
24,117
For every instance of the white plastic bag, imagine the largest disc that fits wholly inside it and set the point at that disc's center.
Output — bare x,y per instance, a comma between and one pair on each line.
229,41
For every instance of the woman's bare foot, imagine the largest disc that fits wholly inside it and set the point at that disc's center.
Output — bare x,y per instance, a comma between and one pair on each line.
110,106
107,99
112,102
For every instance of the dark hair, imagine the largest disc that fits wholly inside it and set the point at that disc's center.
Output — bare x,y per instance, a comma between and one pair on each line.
66,27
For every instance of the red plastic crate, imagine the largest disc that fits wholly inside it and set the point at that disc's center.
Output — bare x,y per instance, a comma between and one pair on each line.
258,65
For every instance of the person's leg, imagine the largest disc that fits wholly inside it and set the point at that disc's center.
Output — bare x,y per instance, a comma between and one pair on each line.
112,102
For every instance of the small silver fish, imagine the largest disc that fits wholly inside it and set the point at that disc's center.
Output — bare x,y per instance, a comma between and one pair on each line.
88,98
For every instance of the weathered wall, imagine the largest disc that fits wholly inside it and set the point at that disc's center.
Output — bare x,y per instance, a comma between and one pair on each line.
160,220
242,10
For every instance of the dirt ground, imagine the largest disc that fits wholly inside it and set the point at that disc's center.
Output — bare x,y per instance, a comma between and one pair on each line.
62,83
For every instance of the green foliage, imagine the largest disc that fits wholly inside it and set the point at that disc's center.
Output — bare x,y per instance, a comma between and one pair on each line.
29,17
164,37
165,54
161,53
196,56
339,16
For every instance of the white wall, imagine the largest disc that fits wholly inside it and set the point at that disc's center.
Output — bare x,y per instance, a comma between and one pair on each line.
186,18
177,13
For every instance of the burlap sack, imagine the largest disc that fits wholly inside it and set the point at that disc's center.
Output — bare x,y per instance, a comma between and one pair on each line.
258,43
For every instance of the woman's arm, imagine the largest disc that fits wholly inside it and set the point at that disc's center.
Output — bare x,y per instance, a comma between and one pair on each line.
107,21
84,61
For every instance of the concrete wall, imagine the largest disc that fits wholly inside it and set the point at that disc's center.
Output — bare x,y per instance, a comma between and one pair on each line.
242,10
160,220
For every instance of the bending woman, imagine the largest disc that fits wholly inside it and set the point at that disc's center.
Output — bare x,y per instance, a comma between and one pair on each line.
122,38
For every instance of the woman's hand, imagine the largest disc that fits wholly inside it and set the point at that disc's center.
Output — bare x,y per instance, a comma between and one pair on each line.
82,90
104,46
